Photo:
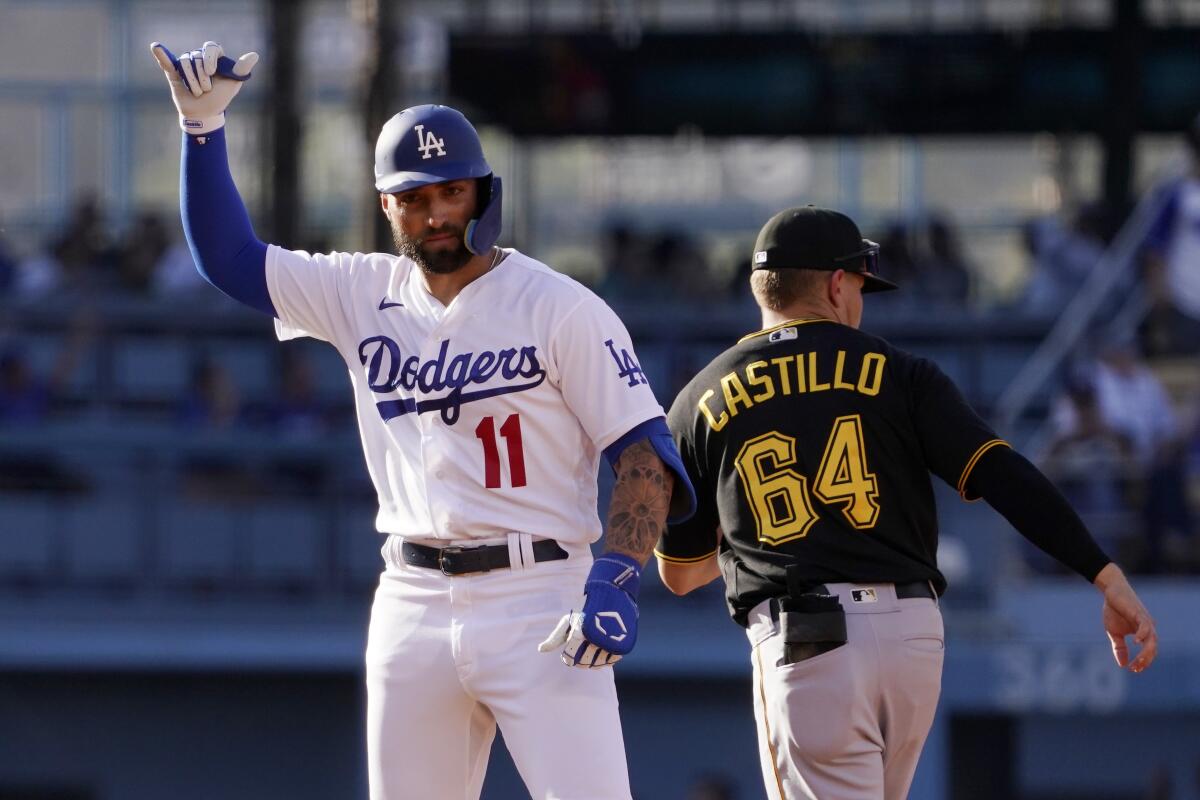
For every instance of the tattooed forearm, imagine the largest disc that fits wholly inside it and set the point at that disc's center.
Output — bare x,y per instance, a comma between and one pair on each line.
638,511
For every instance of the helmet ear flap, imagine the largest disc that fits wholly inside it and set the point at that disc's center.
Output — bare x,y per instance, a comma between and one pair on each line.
483,194
482,232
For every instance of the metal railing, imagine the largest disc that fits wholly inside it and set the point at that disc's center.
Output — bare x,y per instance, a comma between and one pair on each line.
1082,315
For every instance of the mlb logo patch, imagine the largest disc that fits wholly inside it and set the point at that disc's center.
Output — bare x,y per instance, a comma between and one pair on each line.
863,596
782,335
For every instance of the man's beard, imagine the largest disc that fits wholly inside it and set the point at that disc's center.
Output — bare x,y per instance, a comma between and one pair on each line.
438,262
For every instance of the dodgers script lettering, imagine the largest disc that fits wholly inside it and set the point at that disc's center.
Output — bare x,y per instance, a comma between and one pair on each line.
389,371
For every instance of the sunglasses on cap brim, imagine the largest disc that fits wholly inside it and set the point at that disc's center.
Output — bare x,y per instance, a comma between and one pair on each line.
870,267
869,254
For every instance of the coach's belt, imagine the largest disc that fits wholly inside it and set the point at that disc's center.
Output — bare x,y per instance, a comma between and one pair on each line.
907,591
464,560
904,591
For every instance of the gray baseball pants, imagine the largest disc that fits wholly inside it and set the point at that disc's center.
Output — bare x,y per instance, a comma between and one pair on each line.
849,724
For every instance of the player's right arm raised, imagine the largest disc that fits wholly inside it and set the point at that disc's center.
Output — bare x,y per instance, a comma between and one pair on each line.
222,240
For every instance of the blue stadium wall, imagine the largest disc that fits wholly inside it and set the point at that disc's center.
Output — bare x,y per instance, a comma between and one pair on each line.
101,711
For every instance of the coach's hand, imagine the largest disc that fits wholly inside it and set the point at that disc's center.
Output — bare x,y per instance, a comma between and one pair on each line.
203,82
1124,615
606,629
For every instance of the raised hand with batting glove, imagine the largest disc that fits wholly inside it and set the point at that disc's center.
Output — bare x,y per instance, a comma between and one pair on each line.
203,83
606,628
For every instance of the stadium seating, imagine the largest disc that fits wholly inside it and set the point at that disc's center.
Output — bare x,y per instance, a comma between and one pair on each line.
28,527
287,544
200,544
103,540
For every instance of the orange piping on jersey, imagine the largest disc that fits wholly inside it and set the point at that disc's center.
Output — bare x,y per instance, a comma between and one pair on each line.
966,473
674,560
766,724
789,324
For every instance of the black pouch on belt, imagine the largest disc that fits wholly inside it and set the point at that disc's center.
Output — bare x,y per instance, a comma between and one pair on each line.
810,624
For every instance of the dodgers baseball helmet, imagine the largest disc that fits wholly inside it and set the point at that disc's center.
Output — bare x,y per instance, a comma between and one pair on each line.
432,144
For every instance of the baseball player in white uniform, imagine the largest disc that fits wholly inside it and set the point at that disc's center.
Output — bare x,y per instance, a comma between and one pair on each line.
487,387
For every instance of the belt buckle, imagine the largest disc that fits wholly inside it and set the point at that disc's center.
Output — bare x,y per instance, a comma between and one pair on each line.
443,554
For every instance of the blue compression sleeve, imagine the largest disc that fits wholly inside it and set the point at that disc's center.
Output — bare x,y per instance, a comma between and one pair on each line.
218,230
683,503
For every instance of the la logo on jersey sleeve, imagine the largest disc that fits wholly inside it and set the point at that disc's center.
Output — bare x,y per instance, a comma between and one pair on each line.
627,368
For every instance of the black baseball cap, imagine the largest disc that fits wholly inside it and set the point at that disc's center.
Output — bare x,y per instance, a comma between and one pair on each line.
807,237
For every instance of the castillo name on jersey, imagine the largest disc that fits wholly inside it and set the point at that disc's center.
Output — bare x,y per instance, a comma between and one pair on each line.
801,373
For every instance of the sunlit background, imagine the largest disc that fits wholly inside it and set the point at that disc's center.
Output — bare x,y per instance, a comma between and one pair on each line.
187,550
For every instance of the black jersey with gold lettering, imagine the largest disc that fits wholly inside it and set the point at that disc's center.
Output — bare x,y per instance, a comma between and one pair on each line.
811,444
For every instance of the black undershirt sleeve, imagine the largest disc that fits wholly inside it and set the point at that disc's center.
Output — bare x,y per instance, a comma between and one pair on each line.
1032,504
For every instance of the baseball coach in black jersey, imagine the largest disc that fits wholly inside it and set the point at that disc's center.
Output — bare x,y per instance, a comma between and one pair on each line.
810,444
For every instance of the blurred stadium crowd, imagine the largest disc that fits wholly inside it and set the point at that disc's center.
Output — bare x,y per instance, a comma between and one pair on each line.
1123,435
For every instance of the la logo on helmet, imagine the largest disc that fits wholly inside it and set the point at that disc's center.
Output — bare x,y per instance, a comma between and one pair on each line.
427,143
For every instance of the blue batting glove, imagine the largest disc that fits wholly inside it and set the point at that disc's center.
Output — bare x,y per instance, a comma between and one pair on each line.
606,628
610,612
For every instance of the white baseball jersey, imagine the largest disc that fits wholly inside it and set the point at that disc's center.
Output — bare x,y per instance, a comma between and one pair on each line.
482,417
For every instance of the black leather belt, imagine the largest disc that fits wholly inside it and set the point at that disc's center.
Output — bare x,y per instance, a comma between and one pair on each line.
904,591
464,560
907,591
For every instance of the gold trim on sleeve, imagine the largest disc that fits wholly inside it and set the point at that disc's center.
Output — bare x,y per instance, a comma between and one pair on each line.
966,473
674,560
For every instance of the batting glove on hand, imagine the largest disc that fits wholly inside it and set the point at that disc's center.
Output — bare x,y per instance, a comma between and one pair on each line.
606,628
203,82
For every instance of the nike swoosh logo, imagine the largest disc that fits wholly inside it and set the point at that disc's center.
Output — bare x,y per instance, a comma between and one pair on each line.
384,304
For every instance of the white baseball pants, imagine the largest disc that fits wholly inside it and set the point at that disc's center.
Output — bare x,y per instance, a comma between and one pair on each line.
449,658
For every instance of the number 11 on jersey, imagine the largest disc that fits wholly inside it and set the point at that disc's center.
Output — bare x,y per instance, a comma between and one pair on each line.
485,431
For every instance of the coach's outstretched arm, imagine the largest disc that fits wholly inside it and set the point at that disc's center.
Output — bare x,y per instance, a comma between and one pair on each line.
218,229
1027,499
